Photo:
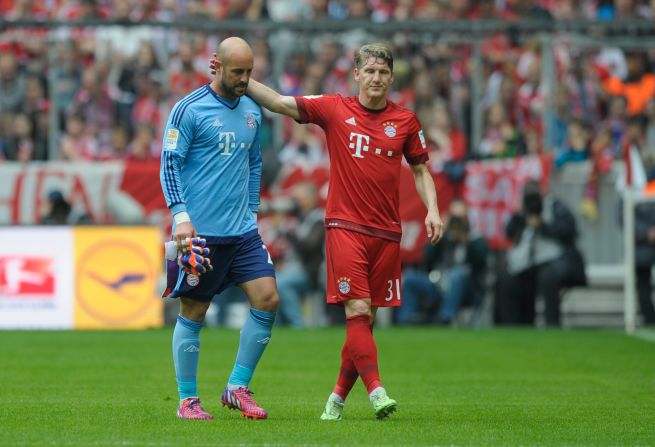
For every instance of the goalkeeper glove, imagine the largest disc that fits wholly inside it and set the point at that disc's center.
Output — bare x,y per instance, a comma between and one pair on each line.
194,256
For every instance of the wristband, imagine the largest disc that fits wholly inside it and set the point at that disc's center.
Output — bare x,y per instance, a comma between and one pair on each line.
181,217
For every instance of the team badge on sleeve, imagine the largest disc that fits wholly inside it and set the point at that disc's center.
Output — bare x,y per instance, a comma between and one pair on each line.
171,139
344,285
422,138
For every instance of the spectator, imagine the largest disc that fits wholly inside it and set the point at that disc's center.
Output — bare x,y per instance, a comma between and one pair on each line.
131,78
305,149
448,143
601,158
576,148
286,10
560,118
75,144
120,43
119,140
150,102
525,9
144,146
615,123
184,77
20,146
582,88
93,102
501,139
5,134
452,272
317,11
648,152
645,258
26,10
543,258
67,74
638,87
36,107
58,211
12,83
298,271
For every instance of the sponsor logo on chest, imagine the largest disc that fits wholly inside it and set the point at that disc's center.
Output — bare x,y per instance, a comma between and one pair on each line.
360,142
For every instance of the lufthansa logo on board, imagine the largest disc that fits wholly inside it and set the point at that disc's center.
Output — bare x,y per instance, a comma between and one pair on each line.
115,281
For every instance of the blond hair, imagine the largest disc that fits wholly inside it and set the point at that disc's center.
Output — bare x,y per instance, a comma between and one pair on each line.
376,50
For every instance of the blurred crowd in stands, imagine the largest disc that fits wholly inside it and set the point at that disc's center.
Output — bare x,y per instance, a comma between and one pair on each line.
110,88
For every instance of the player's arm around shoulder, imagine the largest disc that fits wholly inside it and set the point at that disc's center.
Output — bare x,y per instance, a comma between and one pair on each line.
272,100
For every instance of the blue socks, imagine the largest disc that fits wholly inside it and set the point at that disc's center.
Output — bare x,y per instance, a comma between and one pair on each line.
255,335
186,350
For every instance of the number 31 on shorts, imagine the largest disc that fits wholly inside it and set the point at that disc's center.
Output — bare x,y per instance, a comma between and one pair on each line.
390,290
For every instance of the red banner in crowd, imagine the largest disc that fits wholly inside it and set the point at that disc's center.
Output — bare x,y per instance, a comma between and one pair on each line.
24,189
492,189
493,192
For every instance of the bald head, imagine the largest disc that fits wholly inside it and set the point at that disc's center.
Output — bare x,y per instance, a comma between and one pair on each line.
234,67
233,48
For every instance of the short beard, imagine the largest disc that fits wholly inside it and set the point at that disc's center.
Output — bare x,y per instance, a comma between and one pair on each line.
230,90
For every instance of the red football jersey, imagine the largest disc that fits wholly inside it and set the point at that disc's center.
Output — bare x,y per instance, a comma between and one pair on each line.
366,149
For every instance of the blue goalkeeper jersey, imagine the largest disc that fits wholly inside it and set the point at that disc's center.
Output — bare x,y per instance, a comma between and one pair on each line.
211,162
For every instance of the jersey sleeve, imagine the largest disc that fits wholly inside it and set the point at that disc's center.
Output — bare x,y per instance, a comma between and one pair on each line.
316,109
415,149
177,138
254,180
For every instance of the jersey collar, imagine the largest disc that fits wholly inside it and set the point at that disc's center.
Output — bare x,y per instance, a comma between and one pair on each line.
386,105
226,102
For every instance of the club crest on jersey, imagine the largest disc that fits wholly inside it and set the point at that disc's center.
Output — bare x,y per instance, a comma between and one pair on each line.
389,129
192,280
344,285
250,120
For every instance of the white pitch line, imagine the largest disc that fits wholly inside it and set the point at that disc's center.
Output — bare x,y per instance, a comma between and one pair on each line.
645,334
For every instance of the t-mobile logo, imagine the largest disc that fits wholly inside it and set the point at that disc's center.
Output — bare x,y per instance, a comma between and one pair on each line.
359,142
226,141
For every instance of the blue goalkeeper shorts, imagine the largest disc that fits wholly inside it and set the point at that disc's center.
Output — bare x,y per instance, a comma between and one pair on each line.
240,259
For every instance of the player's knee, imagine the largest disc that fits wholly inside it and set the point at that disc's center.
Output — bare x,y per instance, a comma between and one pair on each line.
193,310
358,307
269,301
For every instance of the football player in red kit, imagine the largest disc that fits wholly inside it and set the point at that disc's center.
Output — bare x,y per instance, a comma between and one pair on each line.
367,137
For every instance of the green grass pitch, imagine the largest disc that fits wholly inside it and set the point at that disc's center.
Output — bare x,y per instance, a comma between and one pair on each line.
454,388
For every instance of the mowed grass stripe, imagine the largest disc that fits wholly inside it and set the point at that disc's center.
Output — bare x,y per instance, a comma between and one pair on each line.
454,387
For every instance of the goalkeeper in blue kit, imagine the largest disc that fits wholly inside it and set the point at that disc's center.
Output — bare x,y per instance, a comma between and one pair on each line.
210,174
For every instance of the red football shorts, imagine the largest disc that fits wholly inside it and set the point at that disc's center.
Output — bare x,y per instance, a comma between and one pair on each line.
361,266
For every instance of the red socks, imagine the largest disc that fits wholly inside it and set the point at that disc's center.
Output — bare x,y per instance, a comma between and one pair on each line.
347,374
359,354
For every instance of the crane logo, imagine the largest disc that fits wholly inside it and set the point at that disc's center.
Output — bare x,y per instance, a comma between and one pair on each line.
115,281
